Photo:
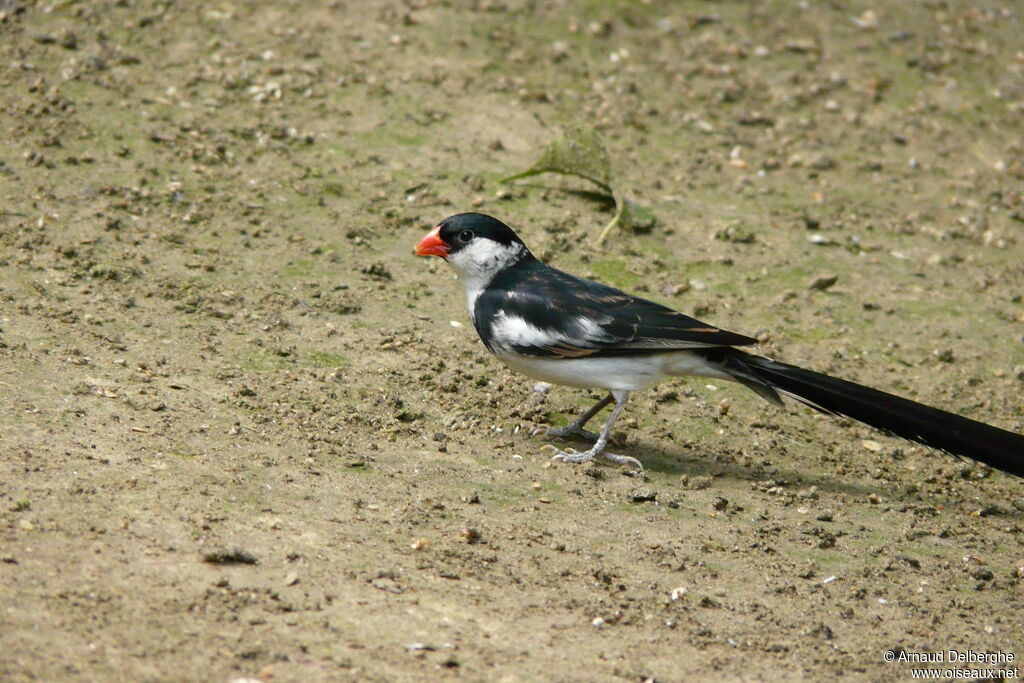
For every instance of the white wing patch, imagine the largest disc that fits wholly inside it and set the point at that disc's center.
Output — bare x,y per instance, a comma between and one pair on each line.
513,331
592,330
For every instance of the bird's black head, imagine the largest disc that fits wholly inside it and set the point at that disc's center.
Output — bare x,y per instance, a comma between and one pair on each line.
478,247
462,230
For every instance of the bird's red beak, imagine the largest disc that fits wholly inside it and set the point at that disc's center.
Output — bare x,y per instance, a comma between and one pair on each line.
432,244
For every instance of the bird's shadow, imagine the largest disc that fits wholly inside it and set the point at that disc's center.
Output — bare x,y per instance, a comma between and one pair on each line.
690,464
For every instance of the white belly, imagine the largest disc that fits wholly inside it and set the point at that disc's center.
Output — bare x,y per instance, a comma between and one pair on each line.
619,373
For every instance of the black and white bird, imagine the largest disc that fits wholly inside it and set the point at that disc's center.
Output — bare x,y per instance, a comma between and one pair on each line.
565,330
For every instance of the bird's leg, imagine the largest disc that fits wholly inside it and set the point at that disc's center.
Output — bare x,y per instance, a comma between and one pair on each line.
620,398
575,428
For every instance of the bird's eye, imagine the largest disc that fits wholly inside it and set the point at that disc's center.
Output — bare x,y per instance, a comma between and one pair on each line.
465,236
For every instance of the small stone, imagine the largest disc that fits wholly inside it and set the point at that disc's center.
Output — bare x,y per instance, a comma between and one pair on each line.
801,45
912,561
821,631
67,40
982,574
377,270
643,495
708,601
420,647
697,483
822,163
720,503
821,241
233,556
823,282
676,289
736,234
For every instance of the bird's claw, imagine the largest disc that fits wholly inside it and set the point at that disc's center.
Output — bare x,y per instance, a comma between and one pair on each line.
559,454
572,456
624,460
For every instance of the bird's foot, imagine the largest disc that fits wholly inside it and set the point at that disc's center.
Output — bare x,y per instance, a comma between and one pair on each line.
564,432
573,456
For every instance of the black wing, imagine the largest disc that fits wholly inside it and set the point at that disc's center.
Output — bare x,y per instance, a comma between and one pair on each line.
536,310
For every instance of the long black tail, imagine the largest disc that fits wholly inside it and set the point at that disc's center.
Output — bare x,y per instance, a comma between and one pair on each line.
911,420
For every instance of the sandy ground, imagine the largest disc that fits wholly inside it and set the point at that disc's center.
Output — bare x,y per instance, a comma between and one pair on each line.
246,434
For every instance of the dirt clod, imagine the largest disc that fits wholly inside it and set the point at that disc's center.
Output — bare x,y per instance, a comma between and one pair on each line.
232,556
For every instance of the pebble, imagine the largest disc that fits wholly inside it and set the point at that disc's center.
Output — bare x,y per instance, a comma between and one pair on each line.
644,495
676,289
823,282
234,556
